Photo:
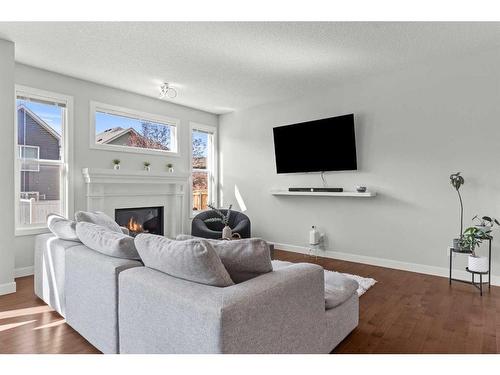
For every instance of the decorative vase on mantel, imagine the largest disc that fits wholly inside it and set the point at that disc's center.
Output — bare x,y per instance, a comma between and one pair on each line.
227,232
116,167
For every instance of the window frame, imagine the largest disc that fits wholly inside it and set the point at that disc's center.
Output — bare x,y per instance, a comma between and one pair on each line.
66,162
138,115
213,195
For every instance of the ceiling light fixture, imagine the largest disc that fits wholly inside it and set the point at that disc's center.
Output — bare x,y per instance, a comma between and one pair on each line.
167,92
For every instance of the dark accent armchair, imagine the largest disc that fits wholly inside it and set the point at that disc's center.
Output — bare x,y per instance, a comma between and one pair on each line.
239,223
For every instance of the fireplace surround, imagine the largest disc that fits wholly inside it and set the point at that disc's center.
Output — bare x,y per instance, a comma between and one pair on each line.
108,190
141,219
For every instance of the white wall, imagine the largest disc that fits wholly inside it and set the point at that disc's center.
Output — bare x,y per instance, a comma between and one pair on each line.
7,284
83,92
414,127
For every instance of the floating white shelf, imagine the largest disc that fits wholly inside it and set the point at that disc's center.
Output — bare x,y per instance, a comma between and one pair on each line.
366,194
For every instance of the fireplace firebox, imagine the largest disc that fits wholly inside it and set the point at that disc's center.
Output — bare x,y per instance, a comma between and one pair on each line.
141,220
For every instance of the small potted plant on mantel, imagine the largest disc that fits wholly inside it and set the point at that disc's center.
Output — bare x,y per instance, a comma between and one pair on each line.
170,167
116,164
471,240
147,166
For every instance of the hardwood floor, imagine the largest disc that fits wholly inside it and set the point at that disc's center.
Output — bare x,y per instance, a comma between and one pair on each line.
407,312
404,312
28,325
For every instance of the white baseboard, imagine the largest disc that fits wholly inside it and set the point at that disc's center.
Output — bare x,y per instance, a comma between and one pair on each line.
388,263
24,271
7,288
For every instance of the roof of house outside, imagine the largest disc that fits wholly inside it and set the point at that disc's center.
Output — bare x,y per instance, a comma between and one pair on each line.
111,134
39,121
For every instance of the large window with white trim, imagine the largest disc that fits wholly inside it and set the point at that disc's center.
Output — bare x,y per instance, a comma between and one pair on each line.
127,130
203,166
40,157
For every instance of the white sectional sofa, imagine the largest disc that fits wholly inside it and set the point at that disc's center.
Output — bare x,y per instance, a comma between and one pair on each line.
121,306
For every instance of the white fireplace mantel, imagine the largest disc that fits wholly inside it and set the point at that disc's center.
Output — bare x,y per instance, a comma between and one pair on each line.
109,189
103,176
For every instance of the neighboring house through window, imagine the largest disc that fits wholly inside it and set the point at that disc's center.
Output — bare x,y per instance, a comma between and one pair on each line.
41,179
203,166
128,130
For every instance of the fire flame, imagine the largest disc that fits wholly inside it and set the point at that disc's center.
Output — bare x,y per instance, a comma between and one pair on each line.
134,226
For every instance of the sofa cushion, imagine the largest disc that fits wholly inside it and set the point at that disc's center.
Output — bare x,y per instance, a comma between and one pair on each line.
99,218
338,288
192,260
105,241
63,228
244,259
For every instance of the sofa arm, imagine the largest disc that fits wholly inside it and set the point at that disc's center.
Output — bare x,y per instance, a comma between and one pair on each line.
279,312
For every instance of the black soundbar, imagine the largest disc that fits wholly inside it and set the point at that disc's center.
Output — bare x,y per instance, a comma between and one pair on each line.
317,190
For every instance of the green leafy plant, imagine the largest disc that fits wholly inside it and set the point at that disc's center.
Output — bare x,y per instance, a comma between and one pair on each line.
116,161
170,165
224,219
147,163
485,221
457,181
472,239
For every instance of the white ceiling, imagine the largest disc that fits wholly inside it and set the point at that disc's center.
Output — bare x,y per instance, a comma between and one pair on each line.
221,67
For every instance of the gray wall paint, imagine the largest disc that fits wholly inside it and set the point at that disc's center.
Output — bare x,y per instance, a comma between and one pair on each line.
7,162
414,127
83,92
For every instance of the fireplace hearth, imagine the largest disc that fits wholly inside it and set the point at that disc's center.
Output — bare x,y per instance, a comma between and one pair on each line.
141,220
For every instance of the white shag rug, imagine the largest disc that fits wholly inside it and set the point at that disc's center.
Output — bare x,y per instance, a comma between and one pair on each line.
364,283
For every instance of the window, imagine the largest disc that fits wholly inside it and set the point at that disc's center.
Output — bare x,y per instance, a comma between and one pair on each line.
127,130
40,159
203,166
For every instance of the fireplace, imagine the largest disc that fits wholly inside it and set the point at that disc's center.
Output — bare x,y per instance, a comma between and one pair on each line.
141,220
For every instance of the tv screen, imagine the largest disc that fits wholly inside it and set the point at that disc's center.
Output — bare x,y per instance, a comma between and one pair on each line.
316,146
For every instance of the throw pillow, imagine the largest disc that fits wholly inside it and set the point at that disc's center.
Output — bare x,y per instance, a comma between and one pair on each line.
244,259
99,218
63,228
101,239
192,260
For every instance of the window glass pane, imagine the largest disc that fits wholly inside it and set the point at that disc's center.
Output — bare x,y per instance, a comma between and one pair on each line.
126,131
39,194
200,190
39,130
29,152
200,149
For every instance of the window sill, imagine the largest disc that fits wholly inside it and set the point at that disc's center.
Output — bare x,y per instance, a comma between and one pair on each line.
31,231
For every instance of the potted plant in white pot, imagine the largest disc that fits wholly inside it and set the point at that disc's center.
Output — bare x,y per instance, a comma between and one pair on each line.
485,223
147,166
224,219
471,240
170,167
116,164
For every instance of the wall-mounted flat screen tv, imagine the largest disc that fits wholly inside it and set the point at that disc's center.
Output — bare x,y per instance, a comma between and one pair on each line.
316,146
